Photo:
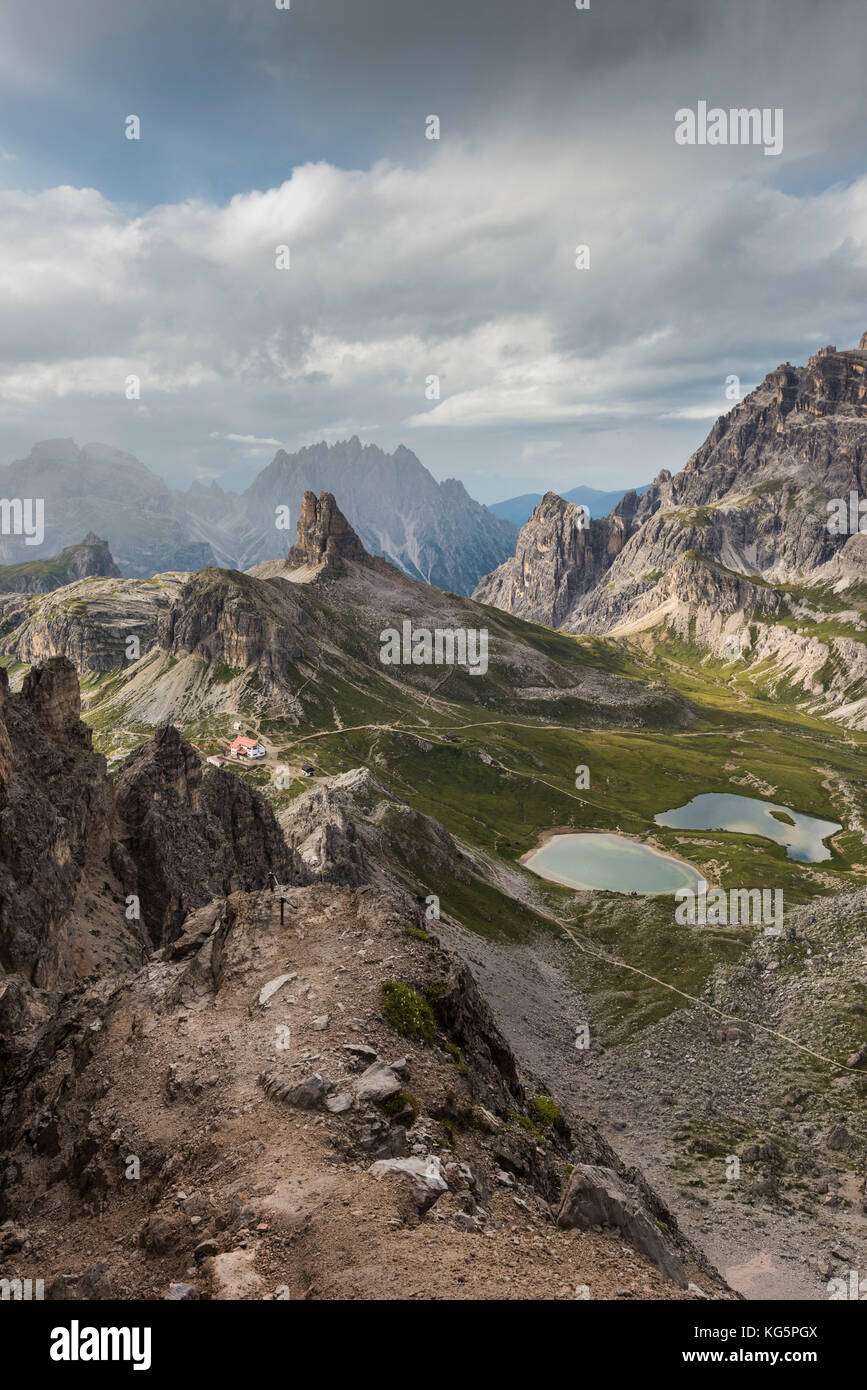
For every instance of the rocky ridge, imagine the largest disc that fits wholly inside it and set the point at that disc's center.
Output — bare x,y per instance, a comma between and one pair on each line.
93,872
433,531
321,1109
734,546
293,639
159,1064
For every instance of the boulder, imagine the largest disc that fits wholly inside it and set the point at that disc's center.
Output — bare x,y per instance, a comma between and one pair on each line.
598,1197
338,1105
377,1083
306,1094
424,1175
93,1284
272,987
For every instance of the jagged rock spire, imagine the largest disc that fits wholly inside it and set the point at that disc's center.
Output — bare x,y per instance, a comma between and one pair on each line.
325,537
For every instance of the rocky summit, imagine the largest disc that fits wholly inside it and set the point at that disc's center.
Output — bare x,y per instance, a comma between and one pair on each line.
85,561
561,555
734,551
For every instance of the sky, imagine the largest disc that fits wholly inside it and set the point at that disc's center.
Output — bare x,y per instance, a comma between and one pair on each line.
412,258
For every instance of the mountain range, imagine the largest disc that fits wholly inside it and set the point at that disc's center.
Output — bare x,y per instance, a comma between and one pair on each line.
320,996
433,531
735,552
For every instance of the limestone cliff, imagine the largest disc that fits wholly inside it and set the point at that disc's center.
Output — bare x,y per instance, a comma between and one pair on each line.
561,554
325,537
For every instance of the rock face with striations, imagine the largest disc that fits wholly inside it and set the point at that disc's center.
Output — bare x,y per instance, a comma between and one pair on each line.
90,621
61,903
561,554
598,1196
56,826
238,620
325,537
754,498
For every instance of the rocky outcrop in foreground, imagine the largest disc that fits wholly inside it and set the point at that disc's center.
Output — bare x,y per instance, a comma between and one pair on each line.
317,1109
93,874
61,903
185,836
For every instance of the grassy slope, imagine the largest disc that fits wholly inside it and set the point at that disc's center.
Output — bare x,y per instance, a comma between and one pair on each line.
497,776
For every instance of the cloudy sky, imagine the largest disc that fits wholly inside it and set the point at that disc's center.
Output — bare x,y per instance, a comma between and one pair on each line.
412,257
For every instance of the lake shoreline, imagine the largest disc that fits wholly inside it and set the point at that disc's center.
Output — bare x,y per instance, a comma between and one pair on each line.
802,836
553,832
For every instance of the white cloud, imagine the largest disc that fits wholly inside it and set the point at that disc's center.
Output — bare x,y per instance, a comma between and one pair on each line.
463,269
246,439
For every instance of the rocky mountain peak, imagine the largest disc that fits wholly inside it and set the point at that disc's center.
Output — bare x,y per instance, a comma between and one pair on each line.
709,550
92,557
325,537
83,561
561,554
164,768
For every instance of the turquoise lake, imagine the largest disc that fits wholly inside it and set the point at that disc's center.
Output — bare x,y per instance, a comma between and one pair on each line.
804,839
609,862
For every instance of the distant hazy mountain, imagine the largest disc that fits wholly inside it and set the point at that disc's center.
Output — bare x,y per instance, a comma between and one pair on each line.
519,509
433,531
103,490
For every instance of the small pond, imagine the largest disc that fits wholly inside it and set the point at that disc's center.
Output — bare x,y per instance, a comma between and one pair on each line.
803,836
609,862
